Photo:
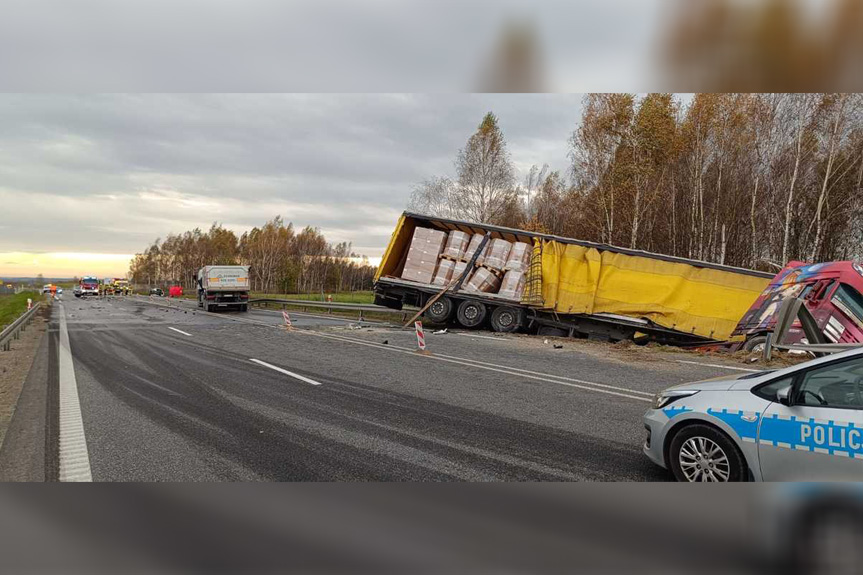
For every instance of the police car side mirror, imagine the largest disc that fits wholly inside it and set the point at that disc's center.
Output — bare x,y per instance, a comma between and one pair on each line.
783,396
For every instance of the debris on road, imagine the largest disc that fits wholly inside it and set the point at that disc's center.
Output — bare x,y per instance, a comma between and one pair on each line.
440,332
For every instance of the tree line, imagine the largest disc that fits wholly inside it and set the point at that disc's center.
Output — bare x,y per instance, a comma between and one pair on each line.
752,180
281,259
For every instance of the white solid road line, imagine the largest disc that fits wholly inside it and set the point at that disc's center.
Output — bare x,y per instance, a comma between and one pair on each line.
74,460
286,372
719,366
514,370
180,331
584,385
479,336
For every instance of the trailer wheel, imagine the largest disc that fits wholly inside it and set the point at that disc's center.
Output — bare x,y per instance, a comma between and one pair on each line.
440,311
506,319
755,344
471,313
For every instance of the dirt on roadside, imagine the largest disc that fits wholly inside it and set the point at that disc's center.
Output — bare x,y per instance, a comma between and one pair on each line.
15,365
628,351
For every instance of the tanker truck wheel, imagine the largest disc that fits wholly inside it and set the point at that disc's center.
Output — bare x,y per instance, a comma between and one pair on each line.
506,319
440,311
471,314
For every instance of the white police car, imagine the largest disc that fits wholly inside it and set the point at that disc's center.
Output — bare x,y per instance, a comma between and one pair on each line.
802,423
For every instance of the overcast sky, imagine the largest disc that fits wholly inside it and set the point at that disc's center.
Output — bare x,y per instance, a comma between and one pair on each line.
108,174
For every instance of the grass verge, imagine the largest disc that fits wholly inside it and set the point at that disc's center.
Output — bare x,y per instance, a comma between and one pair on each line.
12,306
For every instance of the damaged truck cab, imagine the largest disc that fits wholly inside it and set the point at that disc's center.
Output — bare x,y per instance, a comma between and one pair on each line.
831,292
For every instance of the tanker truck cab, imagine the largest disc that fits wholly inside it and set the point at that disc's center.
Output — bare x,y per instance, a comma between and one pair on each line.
223,287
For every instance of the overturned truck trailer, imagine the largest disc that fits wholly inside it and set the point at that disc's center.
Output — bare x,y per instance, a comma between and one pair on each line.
562,287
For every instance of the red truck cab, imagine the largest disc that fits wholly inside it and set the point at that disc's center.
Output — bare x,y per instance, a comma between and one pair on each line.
830,291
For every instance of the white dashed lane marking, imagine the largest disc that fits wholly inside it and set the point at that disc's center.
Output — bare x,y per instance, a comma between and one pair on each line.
286,372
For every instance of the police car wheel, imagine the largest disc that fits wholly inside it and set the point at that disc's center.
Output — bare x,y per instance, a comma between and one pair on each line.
702,453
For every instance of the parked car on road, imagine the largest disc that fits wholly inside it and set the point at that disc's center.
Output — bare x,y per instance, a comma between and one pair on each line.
157,292
802,423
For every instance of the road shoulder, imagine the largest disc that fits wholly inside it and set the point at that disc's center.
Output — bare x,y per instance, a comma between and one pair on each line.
22,454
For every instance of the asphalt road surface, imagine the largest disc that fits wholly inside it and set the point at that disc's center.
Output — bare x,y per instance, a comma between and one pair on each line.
167,392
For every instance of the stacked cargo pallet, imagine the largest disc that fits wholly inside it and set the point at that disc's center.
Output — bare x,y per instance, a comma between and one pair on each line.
438,258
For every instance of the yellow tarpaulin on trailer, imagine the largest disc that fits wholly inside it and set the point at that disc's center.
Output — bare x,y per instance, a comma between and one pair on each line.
703,301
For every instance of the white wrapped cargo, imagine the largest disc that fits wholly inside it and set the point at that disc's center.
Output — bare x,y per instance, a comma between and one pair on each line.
422,260
519,257
483,280
443,276
475,242
512,286
497,253
456,245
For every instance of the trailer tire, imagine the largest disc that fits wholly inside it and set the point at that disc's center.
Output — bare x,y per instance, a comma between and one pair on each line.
440,311
755,344
471,313
506,319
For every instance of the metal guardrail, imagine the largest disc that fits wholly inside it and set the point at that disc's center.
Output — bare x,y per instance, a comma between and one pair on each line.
792,309
360,308
13,330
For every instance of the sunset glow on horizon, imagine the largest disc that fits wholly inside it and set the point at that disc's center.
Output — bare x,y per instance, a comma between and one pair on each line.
63,264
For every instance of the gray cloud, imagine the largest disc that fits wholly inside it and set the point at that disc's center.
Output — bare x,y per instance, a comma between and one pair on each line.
308,45
109,173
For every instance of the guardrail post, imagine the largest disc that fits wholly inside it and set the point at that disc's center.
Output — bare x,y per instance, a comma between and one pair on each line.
768,348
